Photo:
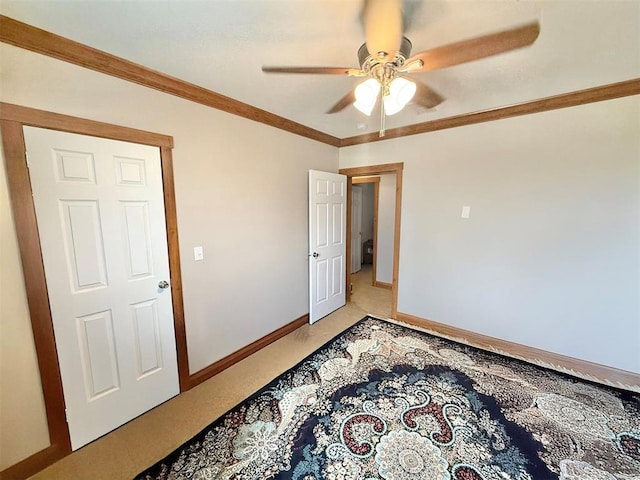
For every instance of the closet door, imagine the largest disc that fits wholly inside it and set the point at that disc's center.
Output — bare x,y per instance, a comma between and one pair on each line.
100,212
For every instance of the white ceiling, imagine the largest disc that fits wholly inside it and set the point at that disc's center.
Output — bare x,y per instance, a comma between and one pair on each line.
222,44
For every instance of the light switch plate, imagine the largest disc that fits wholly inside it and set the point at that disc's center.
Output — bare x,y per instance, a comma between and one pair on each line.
466,211
198,253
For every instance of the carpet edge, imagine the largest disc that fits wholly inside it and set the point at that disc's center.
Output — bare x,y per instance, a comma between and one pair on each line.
583,369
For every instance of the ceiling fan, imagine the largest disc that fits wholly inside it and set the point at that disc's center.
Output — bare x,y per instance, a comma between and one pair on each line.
385,58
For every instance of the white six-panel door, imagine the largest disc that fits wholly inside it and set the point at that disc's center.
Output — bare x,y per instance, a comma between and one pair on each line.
100,212
327,243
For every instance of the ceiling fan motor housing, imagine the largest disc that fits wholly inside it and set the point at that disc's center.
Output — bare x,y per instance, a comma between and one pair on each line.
369,63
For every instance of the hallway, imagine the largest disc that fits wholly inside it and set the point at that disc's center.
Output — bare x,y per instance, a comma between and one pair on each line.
373,300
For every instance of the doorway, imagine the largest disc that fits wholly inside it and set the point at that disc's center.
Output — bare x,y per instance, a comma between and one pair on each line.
366,249
373,170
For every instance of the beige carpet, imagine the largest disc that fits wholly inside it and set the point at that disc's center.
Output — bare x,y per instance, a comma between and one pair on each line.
140,443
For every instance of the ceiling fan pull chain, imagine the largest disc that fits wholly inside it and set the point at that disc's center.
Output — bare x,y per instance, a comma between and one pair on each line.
382,119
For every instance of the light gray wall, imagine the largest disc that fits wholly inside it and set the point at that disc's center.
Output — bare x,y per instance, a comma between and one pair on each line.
241,193
386,224
550,256
368,200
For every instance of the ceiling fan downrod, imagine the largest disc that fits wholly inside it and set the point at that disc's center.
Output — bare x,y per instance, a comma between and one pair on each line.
382,121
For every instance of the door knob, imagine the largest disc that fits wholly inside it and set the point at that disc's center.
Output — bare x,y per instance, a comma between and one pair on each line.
316,254
163,284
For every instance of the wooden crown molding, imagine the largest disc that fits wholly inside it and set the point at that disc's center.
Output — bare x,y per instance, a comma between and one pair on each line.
565,100
40,41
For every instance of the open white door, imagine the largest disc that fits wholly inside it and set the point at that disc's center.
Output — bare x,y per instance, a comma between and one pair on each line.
327,243
100,212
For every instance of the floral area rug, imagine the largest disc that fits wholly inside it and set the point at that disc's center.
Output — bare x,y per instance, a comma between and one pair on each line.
383,401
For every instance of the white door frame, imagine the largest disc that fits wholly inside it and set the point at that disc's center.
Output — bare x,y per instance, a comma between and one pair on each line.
12,119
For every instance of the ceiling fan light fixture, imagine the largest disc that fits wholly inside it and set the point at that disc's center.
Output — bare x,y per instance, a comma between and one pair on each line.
366,95
402,90
391,106
366,109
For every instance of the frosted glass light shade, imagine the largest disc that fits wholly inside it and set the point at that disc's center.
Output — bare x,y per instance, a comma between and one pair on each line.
367,95
391,107
402,90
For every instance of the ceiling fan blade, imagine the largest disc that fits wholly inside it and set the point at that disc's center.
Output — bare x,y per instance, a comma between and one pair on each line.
472,49
343,103
352,72
382,27
425,96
